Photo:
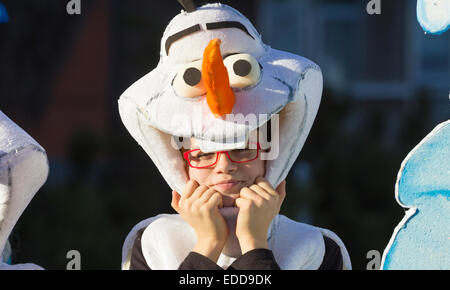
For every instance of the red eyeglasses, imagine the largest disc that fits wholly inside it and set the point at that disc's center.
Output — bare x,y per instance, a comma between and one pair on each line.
198,159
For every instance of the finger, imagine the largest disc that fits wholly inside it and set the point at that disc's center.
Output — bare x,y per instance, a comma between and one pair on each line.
281,189
189,189
175,200
260,191
264,183
216,200
242,203
206,195
199,192
251,195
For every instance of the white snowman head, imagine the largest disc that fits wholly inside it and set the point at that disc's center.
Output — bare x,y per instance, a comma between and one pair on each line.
217,82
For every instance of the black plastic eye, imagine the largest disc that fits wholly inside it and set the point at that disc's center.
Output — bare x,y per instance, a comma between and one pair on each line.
243,70
188,82
242,67
192,76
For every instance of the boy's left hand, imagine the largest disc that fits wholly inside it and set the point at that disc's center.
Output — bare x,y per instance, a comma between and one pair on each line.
258,204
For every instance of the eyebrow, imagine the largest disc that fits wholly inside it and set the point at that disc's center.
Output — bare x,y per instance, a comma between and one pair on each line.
209,26
171,39
228,24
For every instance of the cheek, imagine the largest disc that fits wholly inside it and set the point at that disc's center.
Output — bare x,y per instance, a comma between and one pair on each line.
257,168
198,175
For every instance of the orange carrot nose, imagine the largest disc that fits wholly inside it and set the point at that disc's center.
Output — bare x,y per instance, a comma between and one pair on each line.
219,95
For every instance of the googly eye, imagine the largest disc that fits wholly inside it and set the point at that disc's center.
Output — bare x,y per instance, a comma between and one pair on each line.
243,70
188,82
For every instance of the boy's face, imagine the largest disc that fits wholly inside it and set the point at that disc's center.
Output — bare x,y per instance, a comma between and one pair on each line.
220,175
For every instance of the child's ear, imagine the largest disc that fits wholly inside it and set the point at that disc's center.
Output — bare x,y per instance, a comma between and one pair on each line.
175,200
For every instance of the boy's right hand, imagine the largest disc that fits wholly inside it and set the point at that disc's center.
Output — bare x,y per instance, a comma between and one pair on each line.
199,207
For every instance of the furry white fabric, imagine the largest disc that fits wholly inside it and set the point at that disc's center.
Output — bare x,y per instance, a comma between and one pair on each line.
23,170
296,246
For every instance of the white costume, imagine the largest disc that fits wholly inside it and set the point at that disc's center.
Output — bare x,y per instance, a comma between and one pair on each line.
167,104
23,170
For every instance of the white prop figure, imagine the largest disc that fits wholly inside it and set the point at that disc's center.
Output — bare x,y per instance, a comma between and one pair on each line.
23,170
218,83
434,15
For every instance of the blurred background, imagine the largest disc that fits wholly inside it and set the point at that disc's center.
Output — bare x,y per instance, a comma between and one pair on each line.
386,85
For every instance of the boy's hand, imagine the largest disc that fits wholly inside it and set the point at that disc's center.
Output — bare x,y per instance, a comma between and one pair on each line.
258,204
199,207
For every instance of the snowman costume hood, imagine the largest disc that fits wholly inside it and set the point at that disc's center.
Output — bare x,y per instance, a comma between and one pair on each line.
185,96
23,170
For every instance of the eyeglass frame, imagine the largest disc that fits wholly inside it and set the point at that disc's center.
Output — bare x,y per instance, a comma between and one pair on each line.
186,156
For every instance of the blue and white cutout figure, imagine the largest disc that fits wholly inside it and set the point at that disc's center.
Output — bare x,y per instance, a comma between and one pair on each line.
23,170
422,239
433,15
3,14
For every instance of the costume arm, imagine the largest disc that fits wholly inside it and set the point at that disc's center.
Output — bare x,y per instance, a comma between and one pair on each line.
196,261
332,259
137,260
193,261
257,259
263,259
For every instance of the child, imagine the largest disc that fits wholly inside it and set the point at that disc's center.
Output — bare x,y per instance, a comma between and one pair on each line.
240,230
228,187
